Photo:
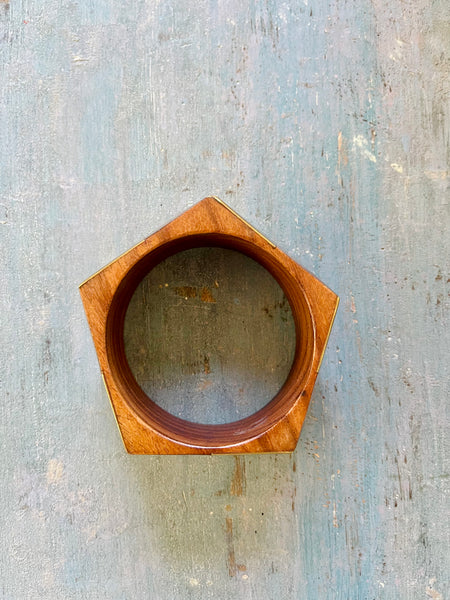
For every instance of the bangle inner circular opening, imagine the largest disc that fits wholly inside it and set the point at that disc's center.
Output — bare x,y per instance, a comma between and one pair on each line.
183,430
209,335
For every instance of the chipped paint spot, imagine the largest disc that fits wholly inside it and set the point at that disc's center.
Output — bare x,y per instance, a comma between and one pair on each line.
436,175
360,142
3,214
397,167
431,592
55,470
204,385
335,521
342,153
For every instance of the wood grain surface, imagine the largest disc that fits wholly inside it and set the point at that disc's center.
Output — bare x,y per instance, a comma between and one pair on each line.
325,125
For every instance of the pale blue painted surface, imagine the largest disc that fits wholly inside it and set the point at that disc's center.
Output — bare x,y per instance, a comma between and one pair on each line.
325,125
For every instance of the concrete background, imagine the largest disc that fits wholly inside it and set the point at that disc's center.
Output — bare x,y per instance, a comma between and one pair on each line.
326,125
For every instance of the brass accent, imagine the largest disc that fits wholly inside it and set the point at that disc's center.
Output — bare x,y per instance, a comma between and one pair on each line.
328,336
110,263
244,221
112,406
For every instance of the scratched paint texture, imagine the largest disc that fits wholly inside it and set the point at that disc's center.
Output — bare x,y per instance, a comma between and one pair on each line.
326,125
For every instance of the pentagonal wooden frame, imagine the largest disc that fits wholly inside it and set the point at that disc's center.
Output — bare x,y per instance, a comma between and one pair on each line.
148,429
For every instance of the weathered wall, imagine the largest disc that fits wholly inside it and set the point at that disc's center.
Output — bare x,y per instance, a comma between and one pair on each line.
325,124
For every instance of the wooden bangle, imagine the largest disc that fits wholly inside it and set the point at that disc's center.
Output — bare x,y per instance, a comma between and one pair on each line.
148,429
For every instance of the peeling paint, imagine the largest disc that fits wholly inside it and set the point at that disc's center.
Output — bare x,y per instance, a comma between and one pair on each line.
362,144
397,167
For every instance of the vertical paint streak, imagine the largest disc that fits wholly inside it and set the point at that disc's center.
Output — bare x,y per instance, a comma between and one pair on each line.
238,482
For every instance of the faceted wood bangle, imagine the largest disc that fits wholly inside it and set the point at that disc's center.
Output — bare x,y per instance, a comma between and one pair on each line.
148,429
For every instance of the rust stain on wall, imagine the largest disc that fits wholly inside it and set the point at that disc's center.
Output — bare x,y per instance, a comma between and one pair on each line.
206,296
233,567
186,291
239,482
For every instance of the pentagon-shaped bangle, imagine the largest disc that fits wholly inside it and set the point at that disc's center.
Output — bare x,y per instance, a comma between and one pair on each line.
148,429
